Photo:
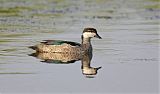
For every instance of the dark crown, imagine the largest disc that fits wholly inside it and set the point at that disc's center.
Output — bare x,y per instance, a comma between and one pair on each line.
92,30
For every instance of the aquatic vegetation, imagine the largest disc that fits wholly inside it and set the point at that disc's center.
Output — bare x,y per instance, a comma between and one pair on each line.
155,0
47,15
96,1
4,40
9,12
6,26
156,6
128,50
16,11
15,35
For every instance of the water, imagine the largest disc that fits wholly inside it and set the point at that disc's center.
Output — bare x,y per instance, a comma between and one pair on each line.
128,52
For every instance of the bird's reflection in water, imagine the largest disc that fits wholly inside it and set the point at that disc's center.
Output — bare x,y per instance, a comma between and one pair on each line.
67,58
57,58
86,65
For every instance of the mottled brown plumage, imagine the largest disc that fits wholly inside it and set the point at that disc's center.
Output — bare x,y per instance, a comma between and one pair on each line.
60,46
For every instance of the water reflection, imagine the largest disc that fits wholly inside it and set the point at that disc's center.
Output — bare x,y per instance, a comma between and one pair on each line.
57,58
68,58
86,65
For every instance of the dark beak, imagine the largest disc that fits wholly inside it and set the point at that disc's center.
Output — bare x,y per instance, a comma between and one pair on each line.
98,68
97,36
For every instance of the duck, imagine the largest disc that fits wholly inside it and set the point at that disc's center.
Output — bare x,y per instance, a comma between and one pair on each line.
62,46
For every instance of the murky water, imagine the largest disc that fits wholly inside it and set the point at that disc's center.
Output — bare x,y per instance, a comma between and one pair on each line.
128,52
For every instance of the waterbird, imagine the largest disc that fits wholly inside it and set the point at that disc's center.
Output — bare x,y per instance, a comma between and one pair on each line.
62,46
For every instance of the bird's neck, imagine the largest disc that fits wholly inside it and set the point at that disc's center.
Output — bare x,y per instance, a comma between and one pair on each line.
86,43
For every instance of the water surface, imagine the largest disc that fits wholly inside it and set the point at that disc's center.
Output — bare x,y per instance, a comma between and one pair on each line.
128,52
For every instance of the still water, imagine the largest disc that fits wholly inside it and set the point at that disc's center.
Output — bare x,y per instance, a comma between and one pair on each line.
127,52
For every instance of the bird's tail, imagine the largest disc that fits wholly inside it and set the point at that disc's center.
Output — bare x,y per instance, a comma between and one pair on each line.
33,47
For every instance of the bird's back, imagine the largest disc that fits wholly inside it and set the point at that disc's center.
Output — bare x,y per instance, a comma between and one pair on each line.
57,46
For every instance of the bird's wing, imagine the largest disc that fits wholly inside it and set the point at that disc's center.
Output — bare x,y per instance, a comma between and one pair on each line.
60,42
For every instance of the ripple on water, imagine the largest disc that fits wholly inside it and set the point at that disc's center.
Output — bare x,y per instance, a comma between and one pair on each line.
128,50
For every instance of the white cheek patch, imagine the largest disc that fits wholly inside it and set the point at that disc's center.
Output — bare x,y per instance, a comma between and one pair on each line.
88,34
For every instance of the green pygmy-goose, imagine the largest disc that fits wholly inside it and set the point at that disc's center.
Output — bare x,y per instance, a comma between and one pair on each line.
60,46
